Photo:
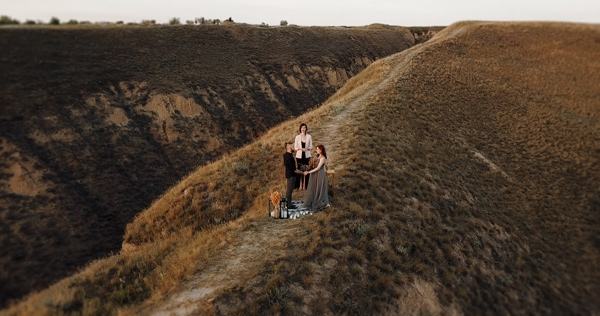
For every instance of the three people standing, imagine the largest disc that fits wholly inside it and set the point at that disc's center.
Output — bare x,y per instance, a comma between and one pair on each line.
316,197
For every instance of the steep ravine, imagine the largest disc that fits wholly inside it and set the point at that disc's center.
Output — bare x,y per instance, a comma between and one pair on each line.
97,122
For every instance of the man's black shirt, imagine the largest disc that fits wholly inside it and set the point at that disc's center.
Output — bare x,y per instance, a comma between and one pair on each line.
290,165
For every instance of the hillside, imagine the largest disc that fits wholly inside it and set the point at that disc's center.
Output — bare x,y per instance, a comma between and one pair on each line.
467,179
97,122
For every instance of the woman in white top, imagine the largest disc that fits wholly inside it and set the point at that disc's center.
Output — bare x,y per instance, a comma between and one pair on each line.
303,145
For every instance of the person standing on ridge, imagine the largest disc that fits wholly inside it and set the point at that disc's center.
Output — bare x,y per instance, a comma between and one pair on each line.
291,169
317,197
303,145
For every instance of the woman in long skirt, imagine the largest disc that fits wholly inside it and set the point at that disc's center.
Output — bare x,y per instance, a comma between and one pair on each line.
317,197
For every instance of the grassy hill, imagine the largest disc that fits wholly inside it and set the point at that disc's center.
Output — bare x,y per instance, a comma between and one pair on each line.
467,182
97,122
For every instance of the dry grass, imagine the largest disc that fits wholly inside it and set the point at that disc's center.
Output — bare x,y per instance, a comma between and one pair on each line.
99,121
420,223
418,205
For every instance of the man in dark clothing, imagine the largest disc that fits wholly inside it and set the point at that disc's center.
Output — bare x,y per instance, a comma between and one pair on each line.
290,173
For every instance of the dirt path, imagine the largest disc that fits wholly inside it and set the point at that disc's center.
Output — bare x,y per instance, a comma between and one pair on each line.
236,264
240,262
334,138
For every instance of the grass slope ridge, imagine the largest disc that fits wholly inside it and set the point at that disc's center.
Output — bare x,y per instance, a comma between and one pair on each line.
478,190
474,191
97,122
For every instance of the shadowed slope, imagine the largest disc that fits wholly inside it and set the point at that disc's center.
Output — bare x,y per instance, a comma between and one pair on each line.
467,183
97,122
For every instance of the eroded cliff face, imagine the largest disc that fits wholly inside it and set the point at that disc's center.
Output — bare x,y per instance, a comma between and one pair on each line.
95,123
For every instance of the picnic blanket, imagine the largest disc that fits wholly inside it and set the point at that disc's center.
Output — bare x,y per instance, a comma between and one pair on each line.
299,211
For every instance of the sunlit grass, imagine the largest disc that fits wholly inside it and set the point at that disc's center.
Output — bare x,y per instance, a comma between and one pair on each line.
469,186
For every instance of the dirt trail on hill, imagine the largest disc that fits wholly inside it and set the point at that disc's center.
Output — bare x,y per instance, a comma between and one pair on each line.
92,153
333,138
245,257
265,242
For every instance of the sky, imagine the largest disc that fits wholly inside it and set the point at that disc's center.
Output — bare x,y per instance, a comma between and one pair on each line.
307,12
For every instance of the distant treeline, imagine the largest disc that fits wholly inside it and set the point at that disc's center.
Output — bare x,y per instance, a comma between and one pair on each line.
7,20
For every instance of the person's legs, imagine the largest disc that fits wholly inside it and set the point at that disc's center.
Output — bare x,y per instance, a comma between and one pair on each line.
291,181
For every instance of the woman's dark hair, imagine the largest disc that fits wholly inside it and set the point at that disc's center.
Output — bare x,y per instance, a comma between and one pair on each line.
323,152
300,128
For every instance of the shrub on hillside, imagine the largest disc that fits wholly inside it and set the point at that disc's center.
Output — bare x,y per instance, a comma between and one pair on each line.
5,19
283,23
203,21
174,21
54,21
72,22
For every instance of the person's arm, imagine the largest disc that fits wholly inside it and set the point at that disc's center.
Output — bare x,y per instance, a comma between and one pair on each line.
321,162
297,144
289,162
309,142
